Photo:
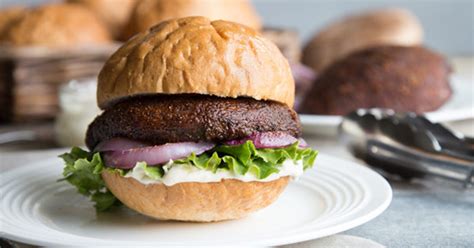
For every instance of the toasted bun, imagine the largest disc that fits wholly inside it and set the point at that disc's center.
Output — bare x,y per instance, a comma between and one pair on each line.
114,13
57,25
195,55
148,13
373,28
201,202
8,17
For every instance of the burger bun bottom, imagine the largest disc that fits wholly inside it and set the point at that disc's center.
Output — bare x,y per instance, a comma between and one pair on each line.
195,201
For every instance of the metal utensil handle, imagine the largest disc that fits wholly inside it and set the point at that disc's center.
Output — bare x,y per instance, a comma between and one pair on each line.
417,164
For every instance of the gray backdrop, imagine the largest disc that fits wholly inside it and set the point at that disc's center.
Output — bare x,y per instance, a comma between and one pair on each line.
448,24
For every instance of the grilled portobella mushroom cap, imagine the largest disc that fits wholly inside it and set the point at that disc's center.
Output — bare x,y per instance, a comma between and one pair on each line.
397,77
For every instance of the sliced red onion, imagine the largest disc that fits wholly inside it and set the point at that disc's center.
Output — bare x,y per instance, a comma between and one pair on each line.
302,73
302,143
269,140
119,144
154,155
304,78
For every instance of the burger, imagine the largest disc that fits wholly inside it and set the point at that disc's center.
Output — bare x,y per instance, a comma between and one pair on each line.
197,125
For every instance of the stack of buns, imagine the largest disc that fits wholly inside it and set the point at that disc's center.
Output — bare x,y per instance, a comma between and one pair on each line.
42,47
97,21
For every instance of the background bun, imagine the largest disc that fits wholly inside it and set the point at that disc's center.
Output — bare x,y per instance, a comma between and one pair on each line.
373,28
195,55
201,202
401,78
114,13
8,17
148,13
57,25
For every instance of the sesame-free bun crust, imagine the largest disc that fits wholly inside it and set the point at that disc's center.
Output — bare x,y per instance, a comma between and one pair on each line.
148,13
63,25
391,26
195,55
192,201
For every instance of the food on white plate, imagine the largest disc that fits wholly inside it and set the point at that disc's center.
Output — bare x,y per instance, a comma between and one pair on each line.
391,26
197,125
401,78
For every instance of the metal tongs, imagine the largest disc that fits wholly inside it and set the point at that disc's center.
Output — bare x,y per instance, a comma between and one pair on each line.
408,145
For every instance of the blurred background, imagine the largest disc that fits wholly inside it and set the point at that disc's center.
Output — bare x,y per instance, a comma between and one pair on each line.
447,22
415,56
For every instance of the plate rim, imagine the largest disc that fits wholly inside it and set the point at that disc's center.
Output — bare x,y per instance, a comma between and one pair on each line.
301,237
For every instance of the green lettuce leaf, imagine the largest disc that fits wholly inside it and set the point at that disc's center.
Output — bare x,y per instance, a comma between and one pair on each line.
82,169
152,172
203,161
245,157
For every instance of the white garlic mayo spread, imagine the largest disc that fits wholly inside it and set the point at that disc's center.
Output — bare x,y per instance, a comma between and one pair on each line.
180,173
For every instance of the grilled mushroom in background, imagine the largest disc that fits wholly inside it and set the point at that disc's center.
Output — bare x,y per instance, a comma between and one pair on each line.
401,78
373,28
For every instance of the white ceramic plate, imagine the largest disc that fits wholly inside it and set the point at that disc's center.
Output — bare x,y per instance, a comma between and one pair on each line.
459,107
333,197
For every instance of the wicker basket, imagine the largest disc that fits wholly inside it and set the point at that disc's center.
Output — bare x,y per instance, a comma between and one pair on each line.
30,78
